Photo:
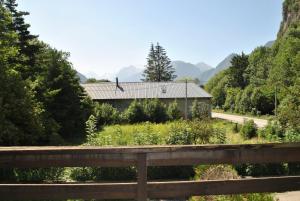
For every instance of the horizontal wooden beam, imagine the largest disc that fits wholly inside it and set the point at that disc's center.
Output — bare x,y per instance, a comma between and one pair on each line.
156,155
68,191
223,187
154,189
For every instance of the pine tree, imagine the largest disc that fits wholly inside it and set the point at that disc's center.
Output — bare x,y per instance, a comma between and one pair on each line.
158,66
20,114
26,41
59,90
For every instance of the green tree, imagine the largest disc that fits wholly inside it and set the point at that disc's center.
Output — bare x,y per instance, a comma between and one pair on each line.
200,110
26,42
58,88
236,72
20,114
155,110
173,111
158,66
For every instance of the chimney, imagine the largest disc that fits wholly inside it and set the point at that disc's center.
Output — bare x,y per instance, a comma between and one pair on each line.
117,82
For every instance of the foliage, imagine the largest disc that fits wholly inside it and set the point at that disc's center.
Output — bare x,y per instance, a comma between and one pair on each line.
250,84
105,114
249,129
135,112
173,111
20,115
273,131
41,99
213,172
151,110
200,110
59,90
291,135
155,110
91,127
190,132
158,66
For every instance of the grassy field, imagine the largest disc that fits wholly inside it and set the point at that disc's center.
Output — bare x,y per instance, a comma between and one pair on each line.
160,134
157,134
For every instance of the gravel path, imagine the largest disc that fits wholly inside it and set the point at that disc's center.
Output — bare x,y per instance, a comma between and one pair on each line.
240,119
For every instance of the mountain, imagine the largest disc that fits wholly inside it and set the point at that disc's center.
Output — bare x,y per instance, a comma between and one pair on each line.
224,64
203,66
130,74
81,77
184,69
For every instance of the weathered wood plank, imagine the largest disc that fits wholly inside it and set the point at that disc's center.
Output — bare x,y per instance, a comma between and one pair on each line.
67,191
154,189
222,187
156,155
142,177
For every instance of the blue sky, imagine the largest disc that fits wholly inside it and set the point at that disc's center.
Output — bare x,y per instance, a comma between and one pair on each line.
106,35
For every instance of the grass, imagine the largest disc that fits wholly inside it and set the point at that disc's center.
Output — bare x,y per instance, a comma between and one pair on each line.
126,135
232,136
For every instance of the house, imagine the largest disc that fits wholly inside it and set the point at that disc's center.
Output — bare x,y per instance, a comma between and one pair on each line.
121,94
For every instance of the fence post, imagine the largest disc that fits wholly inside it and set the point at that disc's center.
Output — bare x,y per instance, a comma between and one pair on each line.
142,177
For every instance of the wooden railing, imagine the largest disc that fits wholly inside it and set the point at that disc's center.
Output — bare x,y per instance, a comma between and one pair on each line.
141,157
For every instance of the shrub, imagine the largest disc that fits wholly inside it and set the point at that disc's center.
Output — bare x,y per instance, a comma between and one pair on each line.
91,125
219,136
147,136
155,111
179,134
249,129
135,112
291,135
190,132
106,114
173,111
272,132
200,110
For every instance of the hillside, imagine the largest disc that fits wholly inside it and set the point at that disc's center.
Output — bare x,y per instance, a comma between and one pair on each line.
224,64
250,84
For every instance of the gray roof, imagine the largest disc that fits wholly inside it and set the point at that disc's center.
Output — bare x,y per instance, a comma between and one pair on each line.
142,90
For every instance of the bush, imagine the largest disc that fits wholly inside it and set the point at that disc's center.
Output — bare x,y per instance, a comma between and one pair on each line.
200,110
147,136
106,114
135,112
291,135
249,129
155,111
272,132
190,132
173,111
91,126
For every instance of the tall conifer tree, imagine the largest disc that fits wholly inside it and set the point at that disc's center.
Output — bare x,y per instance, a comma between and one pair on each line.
158,66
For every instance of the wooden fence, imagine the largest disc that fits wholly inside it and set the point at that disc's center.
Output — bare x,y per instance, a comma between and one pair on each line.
141,157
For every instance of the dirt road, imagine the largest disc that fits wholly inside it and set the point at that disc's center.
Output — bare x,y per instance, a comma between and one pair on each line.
240,119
